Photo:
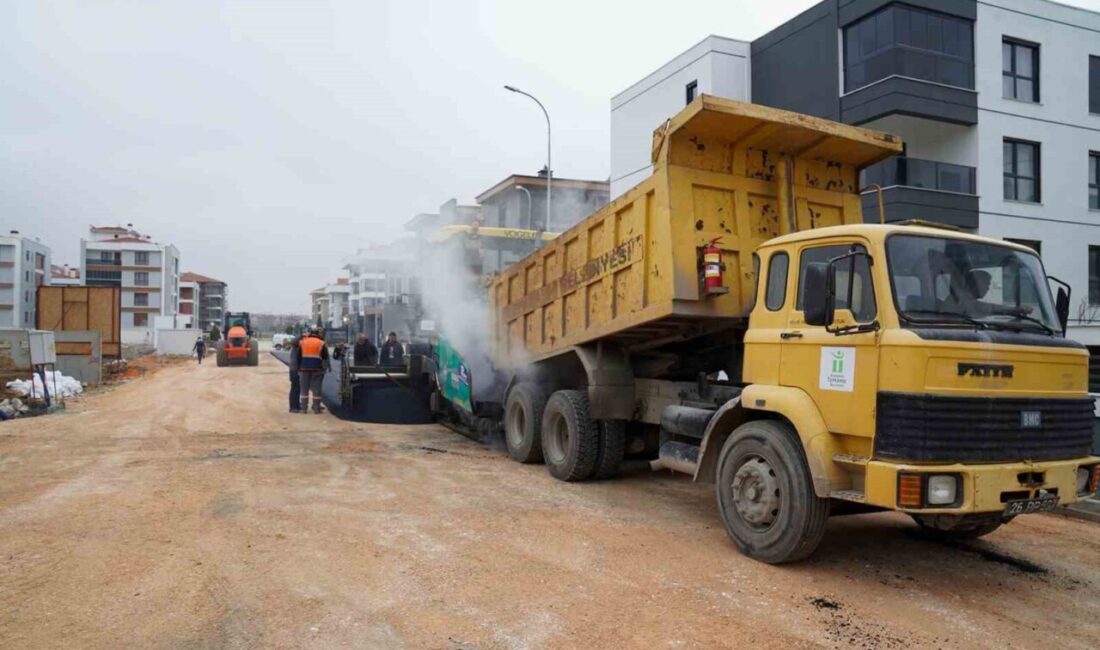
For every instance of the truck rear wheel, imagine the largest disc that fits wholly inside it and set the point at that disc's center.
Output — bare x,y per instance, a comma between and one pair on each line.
221,355
522,420
766,494
570,439
612,448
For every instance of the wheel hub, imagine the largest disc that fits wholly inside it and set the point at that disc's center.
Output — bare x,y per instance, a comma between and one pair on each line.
755,491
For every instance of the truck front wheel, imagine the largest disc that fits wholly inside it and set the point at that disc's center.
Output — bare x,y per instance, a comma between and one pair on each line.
522,419
570,439
766,495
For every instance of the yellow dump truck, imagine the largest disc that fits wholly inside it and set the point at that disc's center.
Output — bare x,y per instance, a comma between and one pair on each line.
735,318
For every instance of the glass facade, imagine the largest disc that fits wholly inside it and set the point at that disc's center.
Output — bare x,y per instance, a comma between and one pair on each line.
927,174
909,42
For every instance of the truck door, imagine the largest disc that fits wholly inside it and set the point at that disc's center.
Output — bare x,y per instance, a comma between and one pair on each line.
840,372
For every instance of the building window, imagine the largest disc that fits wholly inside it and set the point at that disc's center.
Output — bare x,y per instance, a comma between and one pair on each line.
141,300
141,278
105,256
1021,170
908,42
141,320
1094,84
1094,275
1033,244
690,92
141,258
1020,70
1094,180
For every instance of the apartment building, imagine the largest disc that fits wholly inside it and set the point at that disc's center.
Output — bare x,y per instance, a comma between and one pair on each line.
998,103
330,304
713,66
147,271
24,266
384,288
64,275
519,201
205,298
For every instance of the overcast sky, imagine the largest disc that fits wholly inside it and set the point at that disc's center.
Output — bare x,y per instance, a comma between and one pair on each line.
267,140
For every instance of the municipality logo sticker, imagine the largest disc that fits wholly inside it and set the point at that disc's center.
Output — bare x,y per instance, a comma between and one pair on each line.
838,369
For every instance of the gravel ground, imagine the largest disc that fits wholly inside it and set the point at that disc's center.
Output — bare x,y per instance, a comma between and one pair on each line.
188,509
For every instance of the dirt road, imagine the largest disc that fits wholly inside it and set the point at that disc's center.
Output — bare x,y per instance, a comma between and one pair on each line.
188,509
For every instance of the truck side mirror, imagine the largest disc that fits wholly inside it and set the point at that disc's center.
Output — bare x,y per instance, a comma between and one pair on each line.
1061,308
1061,302
817,300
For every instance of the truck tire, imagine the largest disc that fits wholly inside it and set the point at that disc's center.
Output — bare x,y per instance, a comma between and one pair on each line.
612,448
766,494
570,439
522,421
253,352
221,355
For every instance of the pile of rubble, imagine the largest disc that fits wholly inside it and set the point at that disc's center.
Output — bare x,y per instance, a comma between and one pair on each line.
57,384
13,408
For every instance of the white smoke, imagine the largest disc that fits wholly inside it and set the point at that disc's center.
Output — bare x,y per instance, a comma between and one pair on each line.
456,300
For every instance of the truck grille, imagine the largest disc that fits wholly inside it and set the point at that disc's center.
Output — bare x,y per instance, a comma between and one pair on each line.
936,428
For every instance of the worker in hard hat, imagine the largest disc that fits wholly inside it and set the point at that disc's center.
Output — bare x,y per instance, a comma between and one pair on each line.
313,363
199,349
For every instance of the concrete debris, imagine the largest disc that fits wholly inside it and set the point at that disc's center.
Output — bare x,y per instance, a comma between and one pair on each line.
58,384
13,407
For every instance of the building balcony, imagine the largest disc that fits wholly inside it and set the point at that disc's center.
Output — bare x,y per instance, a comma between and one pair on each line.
913,188
900,95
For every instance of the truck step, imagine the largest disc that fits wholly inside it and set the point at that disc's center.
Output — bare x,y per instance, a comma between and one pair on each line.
848,495
851,459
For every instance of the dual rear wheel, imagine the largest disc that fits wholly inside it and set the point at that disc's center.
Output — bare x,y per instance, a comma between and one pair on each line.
560,432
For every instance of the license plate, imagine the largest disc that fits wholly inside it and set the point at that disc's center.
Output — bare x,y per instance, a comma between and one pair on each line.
1025,506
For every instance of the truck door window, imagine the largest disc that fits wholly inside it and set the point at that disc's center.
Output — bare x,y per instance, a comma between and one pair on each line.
776,292
854,290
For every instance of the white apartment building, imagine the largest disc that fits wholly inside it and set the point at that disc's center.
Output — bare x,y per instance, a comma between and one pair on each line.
714,66
998,104
24,266
384,289
147,271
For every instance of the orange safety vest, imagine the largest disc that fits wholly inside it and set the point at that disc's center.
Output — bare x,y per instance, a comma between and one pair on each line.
310,349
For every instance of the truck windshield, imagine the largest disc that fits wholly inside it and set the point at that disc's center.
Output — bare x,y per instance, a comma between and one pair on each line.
957,282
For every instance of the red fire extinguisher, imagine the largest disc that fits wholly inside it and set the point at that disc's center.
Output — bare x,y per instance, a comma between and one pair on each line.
712,269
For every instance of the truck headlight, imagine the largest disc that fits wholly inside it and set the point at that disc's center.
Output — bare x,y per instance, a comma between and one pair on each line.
943,489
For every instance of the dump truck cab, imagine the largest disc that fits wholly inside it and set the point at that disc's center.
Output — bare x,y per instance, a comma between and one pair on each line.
921,370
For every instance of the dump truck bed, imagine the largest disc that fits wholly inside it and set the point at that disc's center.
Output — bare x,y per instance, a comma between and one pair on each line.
630,273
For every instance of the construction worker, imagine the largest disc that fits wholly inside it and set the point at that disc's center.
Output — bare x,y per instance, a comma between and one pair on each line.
295,384
313,363
365,354
392,352
199,349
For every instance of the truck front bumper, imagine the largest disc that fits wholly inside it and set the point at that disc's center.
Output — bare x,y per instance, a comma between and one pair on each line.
982,488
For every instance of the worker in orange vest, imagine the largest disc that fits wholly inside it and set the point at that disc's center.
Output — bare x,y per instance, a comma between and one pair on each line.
313,363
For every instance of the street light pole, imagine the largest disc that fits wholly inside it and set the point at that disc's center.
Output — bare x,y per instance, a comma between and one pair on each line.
549,169
528,193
